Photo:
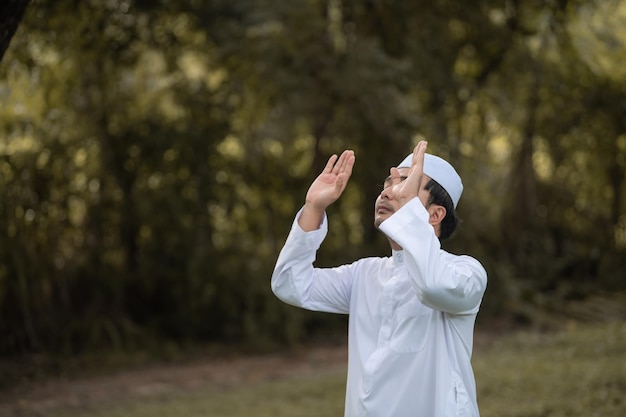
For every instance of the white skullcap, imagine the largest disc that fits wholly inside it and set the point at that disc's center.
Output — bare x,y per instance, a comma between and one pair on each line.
442,172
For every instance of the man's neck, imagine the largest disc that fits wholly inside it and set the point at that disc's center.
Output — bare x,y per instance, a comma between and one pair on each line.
394,245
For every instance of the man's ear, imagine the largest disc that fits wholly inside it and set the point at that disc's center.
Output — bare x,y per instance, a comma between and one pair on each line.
437,214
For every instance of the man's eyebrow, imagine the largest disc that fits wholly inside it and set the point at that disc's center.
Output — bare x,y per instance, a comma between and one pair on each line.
402,177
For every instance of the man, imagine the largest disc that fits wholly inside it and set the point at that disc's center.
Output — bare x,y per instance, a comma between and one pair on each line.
412,314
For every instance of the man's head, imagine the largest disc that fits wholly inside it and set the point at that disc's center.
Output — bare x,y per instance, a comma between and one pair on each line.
440,192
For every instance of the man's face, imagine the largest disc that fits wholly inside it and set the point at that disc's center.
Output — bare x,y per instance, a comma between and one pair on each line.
386,205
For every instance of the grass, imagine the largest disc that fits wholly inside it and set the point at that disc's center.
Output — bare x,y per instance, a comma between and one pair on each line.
321,395
580,371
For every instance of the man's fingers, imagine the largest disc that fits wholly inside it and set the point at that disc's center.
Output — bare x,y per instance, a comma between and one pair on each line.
418,154
348,162
394,176
344,162
340,163
330,164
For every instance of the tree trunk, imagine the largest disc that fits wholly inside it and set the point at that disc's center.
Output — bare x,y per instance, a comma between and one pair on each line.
11,14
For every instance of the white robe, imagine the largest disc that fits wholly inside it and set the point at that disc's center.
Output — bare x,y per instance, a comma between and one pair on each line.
411,317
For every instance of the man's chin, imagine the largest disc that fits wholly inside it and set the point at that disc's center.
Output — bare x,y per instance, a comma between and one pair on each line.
378,221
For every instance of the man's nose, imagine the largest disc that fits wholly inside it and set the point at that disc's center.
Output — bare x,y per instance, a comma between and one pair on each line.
386,194
394,179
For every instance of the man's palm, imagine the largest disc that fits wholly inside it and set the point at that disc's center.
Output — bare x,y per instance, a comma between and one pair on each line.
329,185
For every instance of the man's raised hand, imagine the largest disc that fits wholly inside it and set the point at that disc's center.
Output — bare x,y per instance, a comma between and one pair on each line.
403,191
326,189
329,185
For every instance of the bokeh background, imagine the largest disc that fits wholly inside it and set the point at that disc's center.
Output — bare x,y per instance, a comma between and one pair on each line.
153,155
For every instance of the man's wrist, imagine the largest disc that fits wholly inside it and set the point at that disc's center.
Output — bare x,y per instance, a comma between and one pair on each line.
311,217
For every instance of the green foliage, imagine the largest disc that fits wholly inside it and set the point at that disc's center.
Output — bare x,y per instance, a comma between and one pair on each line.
153,154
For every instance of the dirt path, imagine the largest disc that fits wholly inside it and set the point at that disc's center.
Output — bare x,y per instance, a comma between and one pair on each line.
209,374
213,374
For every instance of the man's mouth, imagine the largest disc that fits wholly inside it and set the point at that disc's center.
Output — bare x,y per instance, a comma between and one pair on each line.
383,208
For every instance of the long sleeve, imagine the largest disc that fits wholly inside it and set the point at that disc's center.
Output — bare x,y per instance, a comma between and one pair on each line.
295,281
445,282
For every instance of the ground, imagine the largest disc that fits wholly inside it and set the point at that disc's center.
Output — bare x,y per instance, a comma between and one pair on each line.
216,372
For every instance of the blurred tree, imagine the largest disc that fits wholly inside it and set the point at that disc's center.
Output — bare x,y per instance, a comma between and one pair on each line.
153,154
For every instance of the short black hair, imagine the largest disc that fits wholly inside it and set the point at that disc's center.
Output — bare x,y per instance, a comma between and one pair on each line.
439,196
